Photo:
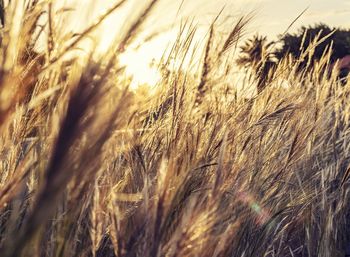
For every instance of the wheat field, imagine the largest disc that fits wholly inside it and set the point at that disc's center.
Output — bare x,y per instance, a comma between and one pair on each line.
195,168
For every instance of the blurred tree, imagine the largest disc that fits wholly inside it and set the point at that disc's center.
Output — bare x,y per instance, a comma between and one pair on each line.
256,54
295,44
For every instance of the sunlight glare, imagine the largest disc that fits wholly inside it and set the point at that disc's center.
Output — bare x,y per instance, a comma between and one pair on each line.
140,69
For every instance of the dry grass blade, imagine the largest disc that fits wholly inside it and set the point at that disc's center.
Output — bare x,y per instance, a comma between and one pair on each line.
83,35
134,28
276,114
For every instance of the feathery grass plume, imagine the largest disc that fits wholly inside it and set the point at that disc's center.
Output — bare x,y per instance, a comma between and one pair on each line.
235,35
78,118
205,67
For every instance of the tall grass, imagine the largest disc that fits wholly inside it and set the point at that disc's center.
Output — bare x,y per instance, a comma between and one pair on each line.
90,168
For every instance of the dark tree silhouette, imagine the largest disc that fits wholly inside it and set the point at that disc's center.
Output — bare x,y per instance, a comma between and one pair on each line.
296,43
256,54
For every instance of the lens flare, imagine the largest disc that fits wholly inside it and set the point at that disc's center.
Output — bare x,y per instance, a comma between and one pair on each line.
262,213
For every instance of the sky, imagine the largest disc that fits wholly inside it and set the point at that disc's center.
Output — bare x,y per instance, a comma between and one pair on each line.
275,15
270,18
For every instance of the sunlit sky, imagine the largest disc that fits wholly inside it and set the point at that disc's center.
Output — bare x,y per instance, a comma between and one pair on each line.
271,17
